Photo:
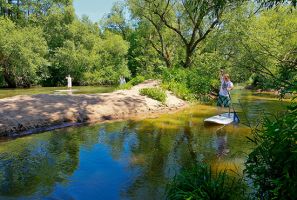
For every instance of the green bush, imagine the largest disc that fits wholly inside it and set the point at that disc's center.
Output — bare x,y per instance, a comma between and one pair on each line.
190,84
154,93
134,81
180,90
179,75
125,86
137,80
272,164
202,82
201,183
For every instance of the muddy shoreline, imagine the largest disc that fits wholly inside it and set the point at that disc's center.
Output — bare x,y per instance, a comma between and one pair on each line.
25,115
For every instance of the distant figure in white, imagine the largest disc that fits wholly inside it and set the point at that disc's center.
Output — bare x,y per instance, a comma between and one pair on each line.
122,80
69,81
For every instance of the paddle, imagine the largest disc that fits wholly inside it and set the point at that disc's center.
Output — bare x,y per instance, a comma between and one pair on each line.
235,117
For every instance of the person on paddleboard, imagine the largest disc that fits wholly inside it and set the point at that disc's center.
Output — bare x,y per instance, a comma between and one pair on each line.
226,86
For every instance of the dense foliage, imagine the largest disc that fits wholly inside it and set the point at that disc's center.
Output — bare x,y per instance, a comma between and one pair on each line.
253,44
190,84
22,52
184,43
272,164
262,48
42,42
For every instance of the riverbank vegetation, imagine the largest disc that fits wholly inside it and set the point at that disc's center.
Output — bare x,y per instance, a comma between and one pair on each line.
271,165
200,182
154,93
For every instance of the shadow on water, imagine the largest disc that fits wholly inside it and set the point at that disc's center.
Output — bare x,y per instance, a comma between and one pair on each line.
121,160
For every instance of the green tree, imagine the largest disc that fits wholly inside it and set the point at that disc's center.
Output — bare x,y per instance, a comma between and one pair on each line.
158,36
110,60
267,47
116,20
272,3
72,51
29,10
191,20
142,57
56,26
22,52
224,43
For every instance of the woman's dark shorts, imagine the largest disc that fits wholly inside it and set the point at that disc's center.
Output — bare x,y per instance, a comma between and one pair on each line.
223,101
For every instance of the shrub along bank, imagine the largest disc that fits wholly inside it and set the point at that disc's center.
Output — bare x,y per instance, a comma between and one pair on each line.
200,183
154,93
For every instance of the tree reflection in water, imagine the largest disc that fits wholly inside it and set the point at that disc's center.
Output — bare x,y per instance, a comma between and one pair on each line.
37,164
129,159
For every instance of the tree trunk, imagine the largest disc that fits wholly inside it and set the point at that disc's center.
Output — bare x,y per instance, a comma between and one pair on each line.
167,62
18,10
9,11
188,60
163,53
2,10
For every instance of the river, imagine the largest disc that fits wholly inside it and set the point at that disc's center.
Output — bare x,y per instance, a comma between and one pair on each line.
132,159
55,90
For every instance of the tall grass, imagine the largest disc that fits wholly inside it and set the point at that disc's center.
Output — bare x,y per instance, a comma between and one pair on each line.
202,183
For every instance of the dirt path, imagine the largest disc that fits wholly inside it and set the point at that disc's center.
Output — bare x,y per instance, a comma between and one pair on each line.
22,113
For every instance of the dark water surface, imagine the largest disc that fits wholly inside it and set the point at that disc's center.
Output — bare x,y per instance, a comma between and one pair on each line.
132,159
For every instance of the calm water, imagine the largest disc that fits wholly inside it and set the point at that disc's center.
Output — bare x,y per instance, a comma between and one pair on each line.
51,90
132,159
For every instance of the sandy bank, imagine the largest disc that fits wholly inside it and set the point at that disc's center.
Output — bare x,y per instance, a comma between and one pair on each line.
22,113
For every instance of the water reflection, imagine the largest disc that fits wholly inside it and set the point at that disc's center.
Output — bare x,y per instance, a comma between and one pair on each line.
138,159
52,90
38,166
122,160
221,142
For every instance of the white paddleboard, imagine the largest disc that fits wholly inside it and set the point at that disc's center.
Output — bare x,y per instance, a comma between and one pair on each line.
224,118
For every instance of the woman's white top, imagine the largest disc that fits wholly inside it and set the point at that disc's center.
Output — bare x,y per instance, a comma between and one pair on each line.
224,86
